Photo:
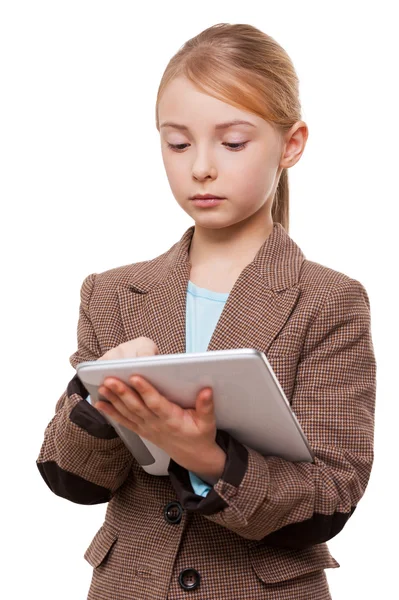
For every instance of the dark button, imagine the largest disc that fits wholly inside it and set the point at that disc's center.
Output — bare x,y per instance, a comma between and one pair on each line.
189,579
173,512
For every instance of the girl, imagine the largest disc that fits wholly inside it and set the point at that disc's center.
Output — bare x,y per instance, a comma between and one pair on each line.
226,522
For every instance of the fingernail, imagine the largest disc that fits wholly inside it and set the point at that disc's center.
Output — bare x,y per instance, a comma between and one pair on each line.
137,382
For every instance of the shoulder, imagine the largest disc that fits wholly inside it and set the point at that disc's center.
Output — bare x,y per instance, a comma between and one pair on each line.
322,283
337,308
329,303
141,276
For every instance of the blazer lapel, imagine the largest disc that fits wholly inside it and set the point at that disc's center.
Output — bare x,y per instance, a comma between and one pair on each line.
153,302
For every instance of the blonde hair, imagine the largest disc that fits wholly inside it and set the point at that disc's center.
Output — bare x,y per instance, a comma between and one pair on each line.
243,66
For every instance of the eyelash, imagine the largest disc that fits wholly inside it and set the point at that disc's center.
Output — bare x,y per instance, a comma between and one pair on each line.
240,146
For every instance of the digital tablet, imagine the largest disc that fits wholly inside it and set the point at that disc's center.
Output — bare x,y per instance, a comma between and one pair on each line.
249,401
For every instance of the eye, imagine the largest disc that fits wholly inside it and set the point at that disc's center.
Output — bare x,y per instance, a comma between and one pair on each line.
233,147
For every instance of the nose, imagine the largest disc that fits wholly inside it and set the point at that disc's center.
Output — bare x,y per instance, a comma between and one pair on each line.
204,163
202,169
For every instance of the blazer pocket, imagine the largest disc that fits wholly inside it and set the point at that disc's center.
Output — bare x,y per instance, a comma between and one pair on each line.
278,564
100,545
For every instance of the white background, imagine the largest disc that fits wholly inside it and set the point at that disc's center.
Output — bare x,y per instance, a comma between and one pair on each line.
83,189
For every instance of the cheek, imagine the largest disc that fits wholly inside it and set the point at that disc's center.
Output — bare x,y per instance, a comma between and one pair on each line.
173,172
249,180
256,177
176,181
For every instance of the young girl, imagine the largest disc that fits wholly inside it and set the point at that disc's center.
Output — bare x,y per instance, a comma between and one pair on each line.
227,522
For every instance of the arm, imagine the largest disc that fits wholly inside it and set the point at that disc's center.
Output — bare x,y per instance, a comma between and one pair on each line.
297,505
82,457
199,485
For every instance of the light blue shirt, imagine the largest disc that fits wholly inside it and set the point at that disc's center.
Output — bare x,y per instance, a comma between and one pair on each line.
203,309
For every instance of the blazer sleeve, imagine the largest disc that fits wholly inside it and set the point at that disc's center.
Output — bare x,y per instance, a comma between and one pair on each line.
299,504
82,458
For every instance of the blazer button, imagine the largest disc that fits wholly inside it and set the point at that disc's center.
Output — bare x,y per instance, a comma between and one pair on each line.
189,579
173,512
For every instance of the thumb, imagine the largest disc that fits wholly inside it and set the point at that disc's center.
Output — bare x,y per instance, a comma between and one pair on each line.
205,401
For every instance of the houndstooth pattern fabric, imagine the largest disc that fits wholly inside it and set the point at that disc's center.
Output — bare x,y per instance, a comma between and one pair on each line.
263,536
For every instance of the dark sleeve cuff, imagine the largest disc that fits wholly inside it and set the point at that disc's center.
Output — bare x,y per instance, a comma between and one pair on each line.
234,471
87,416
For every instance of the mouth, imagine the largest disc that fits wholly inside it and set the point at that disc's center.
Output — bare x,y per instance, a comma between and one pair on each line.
206,197
207,202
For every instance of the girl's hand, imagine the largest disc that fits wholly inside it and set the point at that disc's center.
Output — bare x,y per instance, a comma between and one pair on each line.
187,435
141,346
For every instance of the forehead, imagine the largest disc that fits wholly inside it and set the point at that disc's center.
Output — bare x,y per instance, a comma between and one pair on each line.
185,105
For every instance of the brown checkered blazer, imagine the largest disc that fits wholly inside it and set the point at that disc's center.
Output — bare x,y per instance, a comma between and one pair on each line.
261,530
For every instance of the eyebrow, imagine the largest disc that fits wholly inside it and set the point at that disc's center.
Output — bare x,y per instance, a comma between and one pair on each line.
218,126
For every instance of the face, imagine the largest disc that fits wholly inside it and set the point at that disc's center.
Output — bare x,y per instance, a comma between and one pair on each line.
240,163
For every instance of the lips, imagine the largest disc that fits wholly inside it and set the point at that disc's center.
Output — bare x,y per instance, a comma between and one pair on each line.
205,197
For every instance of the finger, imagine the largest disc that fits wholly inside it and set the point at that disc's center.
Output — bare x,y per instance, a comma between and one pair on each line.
156,403
204,405
115,408
125,401
110,411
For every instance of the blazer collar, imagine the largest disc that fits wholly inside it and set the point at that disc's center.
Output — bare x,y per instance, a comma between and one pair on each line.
153,303
277,262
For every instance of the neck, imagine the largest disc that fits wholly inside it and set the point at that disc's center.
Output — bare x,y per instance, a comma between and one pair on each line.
227,246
